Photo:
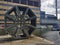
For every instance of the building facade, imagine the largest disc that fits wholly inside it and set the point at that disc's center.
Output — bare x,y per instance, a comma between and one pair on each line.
42,14
7,4
48,19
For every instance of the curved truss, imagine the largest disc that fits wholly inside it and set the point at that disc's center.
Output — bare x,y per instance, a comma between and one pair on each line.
23,20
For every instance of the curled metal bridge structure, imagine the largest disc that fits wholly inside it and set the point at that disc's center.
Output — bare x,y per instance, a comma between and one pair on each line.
23,21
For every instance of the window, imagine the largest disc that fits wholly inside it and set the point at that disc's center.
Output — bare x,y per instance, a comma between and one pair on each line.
42,17
33,0
30,3
36,4
8,0
16,1
23,1
20,1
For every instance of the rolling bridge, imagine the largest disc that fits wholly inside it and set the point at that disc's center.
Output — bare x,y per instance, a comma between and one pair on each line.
5,5
23,20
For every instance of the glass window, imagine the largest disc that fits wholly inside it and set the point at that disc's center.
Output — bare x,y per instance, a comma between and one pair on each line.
36,4
16,1
30,3
20,1
8,0
23,1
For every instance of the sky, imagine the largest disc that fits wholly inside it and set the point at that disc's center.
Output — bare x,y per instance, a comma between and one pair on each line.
49,7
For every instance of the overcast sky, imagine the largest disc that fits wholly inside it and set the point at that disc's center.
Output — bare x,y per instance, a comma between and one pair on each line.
49,7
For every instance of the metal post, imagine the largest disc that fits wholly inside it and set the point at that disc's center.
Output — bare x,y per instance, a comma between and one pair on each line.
56,8
40,9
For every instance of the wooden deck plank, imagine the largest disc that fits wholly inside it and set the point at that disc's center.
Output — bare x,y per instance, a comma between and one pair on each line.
31,41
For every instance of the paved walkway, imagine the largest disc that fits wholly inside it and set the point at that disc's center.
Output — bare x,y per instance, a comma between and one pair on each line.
53,36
